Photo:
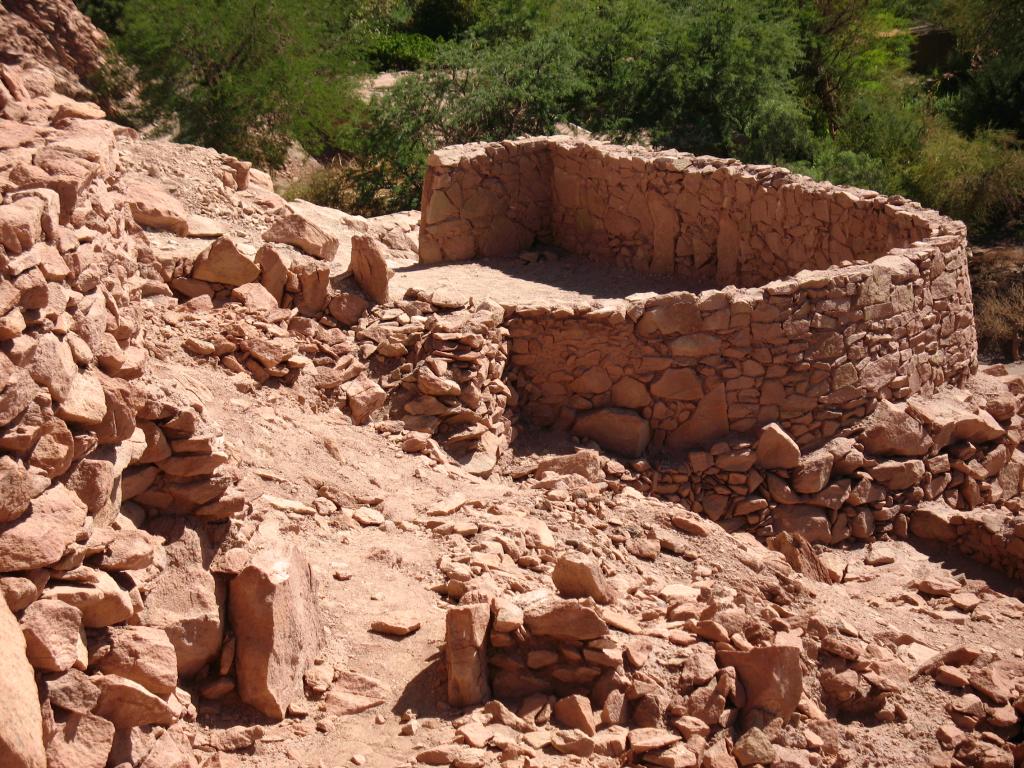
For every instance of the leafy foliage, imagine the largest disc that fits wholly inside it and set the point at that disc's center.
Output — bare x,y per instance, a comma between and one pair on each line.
832,88
243,76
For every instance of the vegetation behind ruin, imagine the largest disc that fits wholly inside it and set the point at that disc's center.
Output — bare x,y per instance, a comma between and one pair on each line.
923,98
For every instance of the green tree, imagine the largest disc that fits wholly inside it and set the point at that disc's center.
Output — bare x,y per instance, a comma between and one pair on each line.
991,87
472,92
105,14
244,76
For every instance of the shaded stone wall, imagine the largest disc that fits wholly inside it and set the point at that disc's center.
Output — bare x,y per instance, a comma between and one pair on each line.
714,221
485,200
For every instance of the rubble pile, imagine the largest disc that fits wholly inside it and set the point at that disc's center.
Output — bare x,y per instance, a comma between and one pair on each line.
580,654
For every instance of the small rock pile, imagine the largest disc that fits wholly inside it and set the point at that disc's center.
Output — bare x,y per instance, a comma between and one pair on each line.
653,674
444,378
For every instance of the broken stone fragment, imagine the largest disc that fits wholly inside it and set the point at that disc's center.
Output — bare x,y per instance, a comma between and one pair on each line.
575,712
277,628
102,602
365,396
933,520
398,624
891,431
576,576
227,261
127,704
775,449
15,489
86,403
813,472
72,690
771,677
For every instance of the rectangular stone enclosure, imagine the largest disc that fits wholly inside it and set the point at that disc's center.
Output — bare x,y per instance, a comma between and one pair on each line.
827,297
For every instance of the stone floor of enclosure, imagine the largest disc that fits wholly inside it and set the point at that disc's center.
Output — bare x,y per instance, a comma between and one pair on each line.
542,276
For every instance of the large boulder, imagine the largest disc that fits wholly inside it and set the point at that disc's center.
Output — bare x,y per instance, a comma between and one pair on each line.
54,639
277,628
101,600
38,539
618,430
152,206
771,677
184,600
891,431
21,726
949,419
79,740
142,654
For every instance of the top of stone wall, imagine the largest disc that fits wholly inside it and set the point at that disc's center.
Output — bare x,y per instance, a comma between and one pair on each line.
942,234
686,162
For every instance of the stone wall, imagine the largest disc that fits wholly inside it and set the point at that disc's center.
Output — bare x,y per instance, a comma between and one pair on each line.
812,349
710,220
485,200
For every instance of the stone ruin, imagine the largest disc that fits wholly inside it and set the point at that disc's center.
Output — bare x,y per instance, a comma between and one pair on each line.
818,383
821,301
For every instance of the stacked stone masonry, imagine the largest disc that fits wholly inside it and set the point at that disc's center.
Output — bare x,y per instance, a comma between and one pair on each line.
828,312
845,296
116,489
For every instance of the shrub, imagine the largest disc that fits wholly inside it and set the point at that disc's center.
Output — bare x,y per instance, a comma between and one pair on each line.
330,186
997,284
471,93
979,180
400,50
999,319
246,77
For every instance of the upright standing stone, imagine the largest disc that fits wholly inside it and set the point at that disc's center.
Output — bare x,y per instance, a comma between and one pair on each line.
466,654
370,268
277,629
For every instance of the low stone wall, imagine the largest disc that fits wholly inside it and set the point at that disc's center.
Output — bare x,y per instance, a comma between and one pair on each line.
812,350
